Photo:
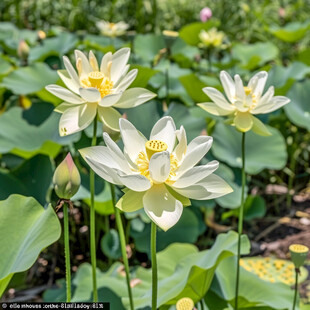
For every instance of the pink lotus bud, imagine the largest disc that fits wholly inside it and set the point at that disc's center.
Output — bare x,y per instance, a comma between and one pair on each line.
205,14
66,178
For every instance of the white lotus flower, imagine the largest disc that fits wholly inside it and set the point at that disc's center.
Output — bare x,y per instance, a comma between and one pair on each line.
96,90
112,30
159,175
243,101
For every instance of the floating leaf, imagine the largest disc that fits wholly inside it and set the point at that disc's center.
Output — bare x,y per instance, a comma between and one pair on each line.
261,152
27,228
298,110
147,46
17,134
253,291
252,56
291,32
57,46
28,80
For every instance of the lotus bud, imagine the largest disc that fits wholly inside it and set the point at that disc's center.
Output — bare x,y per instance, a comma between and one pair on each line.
41,35
66,178
185,303
299,254
205,14
23,49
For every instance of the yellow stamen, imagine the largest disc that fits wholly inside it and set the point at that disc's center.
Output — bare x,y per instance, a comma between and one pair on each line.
98,80
247,90
155,146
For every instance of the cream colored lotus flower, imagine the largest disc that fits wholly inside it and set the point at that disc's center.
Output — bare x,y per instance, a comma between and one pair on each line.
112,30
212,37
160,174
96,90
244,101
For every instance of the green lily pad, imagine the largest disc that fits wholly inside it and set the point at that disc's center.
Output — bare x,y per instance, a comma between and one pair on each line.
26,228
17,135
291,32
253,291
282,78
254,55
57,46
298,110
28,80
261,152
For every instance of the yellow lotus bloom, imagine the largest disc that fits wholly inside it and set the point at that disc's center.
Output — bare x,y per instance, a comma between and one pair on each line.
94,89
112,30
244,101
213,37
160,173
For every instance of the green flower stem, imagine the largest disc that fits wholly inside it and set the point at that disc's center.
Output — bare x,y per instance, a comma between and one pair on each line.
296,288
67,251
154,266
92,220
240,220
120,229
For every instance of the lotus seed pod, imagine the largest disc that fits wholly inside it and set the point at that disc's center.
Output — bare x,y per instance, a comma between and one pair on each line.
66,178
299,254
185,303
205,14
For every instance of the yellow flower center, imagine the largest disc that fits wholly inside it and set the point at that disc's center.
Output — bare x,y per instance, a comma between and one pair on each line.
247,90
185,304
152,147
298,248
97,80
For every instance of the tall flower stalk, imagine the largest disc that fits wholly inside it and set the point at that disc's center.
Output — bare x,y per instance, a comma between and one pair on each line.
92,220
240,219
122,238
240,105
67,252
154,266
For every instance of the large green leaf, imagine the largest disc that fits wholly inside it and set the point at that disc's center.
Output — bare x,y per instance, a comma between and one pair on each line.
261,152
30,79
147,46
253,291
298,110
16,134
291,32
26,228
32,178
57,46
282,78
254,55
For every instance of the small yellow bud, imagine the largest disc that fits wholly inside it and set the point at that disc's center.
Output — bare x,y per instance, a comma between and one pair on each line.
66,178
23,49
41,35
299,254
